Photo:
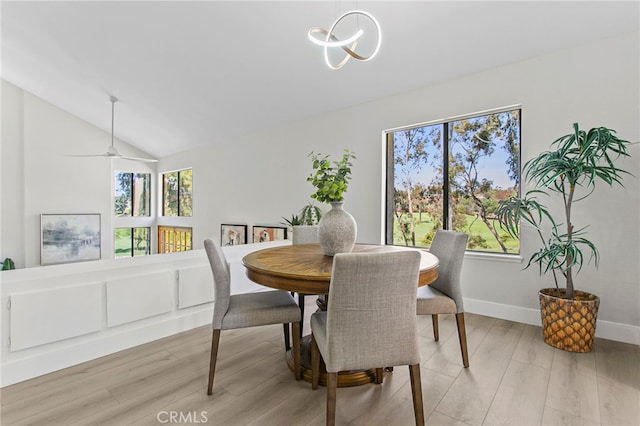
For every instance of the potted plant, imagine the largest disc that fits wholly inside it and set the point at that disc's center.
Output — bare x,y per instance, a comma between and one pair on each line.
337,229
304,228
8,264
294,221
570,170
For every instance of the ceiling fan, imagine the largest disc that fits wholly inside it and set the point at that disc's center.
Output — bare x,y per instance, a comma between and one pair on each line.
112,152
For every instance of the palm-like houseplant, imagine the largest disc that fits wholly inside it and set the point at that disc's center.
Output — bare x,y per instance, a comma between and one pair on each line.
571,170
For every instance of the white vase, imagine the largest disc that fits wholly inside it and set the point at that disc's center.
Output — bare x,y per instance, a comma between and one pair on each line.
337,230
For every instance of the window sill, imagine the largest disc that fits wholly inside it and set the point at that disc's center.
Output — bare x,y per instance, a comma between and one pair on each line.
496,257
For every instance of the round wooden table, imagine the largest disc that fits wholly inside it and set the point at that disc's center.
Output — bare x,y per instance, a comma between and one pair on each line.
303,268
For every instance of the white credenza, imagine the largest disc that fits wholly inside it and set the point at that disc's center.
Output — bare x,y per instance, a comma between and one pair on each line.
61,315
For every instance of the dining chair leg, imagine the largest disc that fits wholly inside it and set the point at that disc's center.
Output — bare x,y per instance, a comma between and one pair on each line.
215,343
379,375
315,363
295,332
332,386
434,321
287,341
416,392
301,304
462,336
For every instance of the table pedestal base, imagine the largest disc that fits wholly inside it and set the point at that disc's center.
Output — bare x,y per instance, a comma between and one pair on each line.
345,378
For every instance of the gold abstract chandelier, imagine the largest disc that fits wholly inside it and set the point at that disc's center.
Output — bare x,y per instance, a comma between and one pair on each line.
349,44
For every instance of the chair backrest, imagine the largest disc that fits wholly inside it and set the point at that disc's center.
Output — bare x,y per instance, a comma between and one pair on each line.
449,247
221,281
305,235
371,320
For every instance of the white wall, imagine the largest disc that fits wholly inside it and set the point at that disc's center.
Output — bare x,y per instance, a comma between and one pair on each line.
38,177
12,218
261,177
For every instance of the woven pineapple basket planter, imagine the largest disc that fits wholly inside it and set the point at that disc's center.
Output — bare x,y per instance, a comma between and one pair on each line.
568,324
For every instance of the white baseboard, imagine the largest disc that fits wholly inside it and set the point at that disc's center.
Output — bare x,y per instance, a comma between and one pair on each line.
604,329
46,362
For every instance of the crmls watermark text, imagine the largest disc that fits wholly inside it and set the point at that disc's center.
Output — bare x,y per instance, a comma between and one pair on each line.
191,417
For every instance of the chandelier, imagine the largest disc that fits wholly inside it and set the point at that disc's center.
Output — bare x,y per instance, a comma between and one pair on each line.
349,44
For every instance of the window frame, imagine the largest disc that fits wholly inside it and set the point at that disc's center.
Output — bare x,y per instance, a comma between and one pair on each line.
133,250
129,221
133,179
176,231
163,192
388,206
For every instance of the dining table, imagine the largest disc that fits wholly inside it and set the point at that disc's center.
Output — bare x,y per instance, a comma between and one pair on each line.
305,269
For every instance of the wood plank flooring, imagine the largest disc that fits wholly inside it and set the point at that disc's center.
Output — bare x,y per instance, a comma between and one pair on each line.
513,379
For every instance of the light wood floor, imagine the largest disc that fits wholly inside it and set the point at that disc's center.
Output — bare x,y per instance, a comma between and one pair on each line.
514,378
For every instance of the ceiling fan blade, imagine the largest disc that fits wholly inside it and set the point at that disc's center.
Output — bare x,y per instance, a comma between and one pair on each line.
111,155
146,160
113,152
86,155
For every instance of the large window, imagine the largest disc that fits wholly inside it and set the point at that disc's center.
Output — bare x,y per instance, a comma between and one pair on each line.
176,193
132,195
132,211
173,239
451,174
131,242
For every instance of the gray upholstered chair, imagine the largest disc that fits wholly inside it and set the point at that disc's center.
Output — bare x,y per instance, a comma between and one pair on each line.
444,295
309,236
247,310
370,321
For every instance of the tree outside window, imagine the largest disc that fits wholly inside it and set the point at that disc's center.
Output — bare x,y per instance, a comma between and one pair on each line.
462,193
132,194
177,193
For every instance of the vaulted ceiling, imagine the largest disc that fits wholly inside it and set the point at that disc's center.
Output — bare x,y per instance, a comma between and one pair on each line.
190,74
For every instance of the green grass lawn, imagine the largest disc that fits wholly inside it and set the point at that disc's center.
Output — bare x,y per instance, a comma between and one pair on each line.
122,242
474,227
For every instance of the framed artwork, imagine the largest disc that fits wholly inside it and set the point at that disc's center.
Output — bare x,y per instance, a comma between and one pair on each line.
269,233
233,235
66,238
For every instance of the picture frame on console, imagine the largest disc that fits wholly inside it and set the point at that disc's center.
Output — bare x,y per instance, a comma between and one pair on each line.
233,234
265,233
68,238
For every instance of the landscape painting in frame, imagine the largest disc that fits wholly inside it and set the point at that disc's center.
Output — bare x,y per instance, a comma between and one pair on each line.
263,234
67,238
233,235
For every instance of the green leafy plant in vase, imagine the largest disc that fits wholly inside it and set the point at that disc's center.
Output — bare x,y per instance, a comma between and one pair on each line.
330,178
337,229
